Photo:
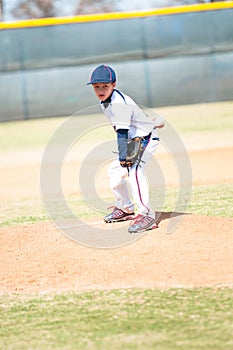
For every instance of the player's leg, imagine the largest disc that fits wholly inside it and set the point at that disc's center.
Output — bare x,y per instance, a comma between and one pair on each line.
124,208
140,189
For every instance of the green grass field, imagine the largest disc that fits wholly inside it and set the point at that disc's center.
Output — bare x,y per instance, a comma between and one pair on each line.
119,319
186,319
204,120
190,119
210,200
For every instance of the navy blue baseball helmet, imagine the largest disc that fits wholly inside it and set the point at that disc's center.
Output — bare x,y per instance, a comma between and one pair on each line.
102,74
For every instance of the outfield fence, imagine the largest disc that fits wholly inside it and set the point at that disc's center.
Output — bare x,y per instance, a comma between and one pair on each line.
169,56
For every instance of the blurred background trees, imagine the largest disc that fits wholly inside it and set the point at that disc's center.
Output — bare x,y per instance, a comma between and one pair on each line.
95,6
1,9
34,9
25,9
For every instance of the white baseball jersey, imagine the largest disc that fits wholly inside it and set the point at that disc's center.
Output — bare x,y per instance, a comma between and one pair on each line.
124,113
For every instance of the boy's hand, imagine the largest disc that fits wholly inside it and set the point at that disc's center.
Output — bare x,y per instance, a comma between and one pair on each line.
126,164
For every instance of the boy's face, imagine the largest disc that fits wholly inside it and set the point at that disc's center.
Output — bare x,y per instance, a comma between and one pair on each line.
103,90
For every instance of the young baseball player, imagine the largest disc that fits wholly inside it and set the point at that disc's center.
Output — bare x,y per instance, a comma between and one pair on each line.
128,121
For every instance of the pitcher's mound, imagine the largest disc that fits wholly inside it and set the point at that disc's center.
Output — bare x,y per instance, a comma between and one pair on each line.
38,258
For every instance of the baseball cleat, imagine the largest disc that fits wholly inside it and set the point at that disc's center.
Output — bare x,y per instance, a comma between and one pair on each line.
142,223
118,215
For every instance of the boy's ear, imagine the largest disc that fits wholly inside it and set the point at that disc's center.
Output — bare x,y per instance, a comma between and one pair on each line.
114,84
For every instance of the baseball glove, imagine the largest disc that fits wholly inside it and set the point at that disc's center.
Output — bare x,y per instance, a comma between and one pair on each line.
134,152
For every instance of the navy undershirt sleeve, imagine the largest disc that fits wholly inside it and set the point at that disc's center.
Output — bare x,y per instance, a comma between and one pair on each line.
122,140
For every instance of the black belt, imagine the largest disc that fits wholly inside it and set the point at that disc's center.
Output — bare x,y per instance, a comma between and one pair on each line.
148,137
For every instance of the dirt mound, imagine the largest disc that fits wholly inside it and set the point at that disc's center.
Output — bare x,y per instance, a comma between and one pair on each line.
38,258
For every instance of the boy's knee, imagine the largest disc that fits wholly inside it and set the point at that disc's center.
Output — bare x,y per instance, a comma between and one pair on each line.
115,170
116,174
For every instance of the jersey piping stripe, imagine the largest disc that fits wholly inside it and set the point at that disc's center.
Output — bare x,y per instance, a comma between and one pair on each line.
120,95
138,185
139,190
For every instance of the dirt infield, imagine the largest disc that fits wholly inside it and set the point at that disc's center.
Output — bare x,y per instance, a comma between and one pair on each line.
38,258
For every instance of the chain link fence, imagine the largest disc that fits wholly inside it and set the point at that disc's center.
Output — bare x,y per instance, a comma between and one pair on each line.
160,60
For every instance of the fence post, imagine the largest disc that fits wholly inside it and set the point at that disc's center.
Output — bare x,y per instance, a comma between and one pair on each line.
23,81
145,63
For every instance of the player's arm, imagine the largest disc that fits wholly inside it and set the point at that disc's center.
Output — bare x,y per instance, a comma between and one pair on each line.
159,121
122,114
122,141
160,125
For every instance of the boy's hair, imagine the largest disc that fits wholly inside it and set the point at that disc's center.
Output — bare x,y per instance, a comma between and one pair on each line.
102,74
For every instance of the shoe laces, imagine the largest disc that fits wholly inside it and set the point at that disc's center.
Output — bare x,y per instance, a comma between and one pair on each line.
140,218
137,219
113,207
